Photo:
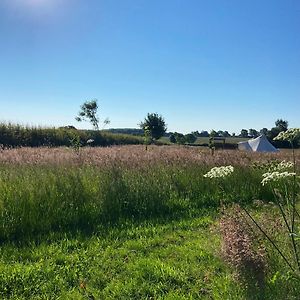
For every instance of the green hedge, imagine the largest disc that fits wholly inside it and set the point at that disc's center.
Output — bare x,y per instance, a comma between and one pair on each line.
14,135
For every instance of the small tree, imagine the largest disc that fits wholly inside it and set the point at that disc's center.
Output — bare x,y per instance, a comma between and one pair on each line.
282,125
253,133
220,133
273,132
264,131
172,138
226,134
147,137
212,133
244,133
155,124
196,133
180,138
204,133
89,112
190,138
211,141
75,142
106,122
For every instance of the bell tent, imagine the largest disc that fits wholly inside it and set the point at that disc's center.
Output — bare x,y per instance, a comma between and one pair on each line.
259,144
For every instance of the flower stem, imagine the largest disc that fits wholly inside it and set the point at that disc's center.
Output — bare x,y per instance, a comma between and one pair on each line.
269,239
294,208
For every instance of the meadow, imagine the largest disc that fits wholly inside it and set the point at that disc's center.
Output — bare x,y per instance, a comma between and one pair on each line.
124,223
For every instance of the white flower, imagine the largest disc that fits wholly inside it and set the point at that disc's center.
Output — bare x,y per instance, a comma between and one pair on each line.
283,165
219,172
275,176
290,135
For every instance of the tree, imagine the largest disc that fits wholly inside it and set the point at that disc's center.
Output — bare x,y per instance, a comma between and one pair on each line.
172,138
106,122
190,138
220,133
180,138
226,134
155,124
204,133
88,111
264,131
244,133
253,133
212,133
282,125
147,137
273,132
196,133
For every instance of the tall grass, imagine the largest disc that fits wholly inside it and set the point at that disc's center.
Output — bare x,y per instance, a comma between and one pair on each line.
171,248
56,189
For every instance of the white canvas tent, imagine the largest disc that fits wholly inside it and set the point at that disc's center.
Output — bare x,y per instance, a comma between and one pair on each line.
259,144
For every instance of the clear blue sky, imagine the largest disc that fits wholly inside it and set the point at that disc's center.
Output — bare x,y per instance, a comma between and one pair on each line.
202,64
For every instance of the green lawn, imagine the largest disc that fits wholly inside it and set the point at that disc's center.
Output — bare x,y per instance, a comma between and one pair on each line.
163,260
174,259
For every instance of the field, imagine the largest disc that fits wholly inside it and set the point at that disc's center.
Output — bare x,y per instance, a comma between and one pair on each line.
205,141
229,140
124,223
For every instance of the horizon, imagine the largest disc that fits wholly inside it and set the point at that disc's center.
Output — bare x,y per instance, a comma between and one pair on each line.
236,133
201,65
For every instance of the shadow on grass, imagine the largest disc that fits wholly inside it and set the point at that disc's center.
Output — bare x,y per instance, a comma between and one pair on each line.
105,227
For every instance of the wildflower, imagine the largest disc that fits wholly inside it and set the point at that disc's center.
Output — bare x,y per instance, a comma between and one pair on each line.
90,141
290,135
275,176
272,166
283,165
219,172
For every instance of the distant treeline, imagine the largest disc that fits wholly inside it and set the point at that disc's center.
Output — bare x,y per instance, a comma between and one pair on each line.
132,131
14,135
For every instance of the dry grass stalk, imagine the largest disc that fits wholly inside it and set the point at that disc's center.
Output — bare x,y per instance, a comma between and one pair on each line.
241,250
136,156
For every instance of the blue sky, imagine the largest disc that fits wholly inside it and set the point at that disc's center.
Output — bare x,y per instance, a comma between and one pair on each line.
210,64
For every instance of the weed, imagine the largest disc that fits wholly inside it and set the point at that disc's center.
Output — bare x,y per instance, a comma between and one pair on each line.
240,250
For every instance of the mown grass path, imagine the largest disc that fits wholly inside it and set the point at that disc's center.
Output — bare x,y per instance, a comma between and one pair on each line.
173,260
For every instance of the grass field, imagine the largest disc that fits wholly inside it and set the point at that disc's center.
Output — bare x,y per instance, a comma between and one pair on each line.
125,223
229,140
205,140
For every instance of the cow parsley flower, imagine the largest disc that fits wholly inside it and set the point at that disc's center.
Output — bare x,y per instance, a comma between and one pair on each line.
290,135
283,165
219,172
275,176
90,141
